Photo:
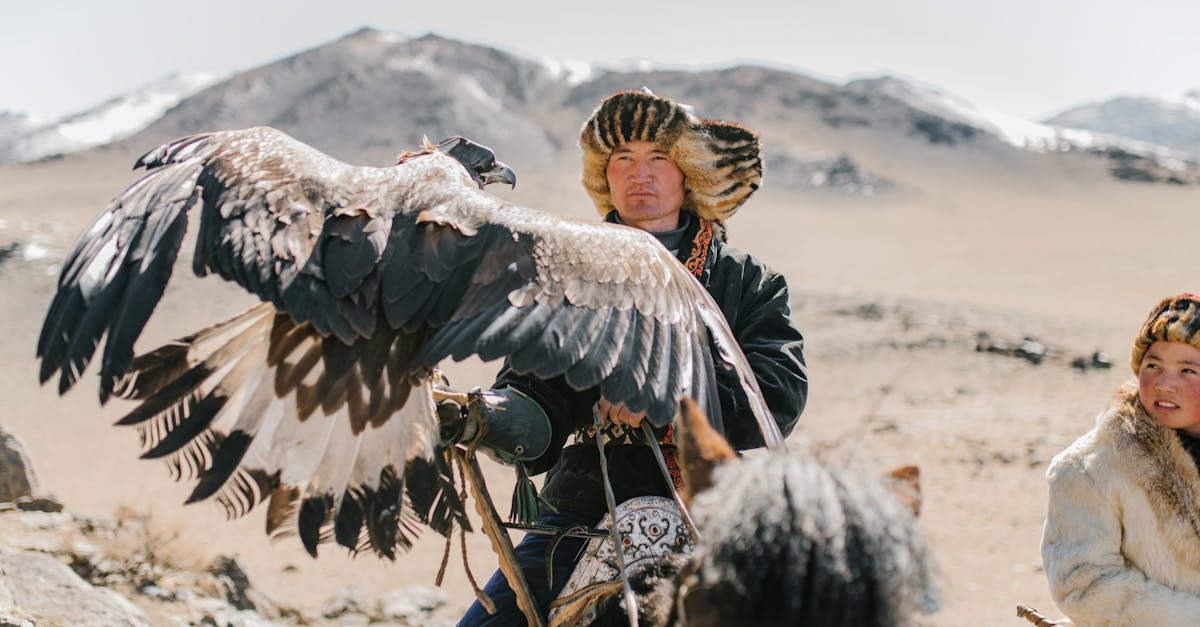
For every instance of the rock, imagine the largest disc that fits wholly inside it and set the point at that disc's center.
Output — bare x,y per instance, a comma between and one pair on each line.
13,618
38,586
8,251
16,470
938,130
347,600
1031,350
239,592
841,174
412,604
224,615
1099,360
48,505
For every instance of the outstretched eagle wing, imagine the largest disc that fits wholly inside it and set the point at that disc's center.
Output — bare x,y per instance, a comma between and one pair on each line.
320,399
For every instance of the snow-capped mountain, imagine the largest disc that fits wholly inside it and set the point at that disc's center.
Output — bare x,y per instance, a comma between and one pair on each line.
1141,156
1169,121
23,139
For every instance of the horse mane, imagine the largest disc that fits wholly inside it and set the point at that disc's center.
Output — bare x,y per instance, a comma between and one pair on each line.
790,541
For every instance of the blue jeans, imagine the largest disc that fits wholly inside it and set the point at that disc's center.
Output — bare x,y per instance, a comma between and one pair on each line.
531,556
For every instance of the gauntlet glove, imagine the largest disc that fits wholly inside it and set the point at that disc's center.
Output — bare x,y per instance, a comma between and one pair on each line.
508,425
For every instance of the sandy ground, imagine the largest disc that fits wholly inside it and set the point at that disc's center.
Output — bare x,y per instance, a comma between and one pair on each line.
891,292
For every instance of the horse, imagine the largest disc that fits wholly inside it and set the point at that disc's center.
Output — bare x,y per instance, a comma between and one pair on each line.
782,540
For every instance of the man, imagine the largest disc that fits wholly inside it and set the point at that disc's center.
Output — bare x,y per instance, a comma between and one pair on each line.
649,163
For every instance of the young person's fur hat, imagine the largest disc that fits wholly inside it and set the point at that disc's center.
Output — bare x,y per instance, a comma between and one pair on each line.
721,161
1174,319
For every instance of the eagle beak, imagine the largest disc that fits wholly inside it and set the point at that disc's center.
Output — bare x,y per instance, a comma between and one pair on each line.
500,173
475,158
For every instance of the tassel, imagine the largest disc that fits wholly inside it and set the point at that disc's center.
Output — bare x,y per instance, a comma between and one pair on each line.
524,509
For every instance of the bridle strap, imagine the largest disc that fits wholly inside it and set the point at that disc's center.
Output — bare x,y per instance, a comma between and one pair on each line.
662,465
631,606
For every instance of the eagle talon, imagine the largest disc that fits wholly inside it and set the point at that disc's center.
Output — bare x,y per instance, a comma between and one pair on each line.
463,416
441,395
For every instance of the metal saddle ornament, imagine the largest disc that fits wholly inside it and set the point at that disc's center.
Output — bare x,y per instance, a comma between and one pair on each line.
651,528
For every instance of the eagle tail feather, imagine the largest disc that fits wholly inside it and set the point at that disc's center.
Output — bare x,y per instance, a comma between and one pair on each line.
312,521
149,373
431,490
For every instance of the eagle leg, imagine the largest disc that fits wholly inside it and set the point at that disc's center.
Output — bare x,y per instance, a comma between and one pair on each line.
442,394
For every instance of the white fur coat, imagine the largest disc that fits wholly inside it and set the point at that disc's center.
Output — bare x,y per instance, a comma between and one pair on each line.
1121,545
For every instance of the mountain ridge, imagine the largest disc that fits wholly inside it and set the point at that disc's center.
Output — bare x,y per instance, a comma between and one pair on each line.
369,94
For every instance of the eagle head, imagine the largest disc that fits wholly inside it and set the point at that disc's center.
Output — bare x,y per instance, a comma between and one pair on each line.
479,160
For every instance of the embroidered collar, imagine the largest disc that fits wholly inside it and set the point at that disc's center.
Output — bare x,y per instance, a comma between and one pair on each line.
695,230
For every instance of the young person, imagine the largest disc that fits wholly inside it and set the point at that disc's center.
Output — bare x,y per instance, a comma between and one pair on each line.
1121,545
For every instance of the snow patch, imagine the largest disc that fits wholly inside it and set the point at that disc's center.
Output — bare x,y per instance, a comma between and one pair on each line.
115,119
636,65
573,72
389,37
471,87
126,115
422,63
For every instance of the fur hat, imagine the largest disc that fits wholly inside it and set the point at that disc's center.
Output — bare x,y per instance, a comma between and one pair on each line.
1174,319
721,161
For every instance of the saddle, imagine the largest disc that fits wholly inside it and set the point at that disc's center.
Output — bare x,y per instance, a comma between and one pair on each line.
651,529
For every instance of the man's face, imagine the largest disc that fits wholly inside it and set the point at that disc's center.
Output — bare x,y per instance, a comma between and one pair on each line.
1169,385
646,186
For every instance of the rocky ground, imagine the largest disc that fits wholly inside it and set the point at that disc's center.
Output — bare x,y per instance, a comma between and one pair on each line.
59,568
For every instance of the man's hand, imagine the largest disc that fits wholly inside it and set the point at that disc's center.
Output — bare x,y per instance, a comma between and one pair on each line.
619,414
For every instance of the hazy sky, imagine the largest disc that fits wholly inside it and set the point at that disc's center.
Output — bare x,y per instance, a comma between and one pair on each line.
1028,58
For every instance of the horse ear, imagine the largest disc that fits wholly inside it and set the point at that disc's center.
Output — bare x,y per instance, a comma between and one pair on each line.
905,484
701,449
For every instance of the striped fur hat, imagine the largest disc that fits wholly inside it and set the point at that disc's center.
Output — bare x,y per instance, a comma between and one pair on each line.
721,161
1175,319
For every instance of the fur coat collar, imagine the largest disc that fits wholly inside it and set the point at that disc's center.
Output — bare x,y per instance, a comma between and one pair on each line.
1157,461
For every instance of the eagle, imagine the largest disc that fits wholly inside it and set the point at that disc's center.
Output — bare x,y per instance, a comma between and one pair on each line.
320,400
